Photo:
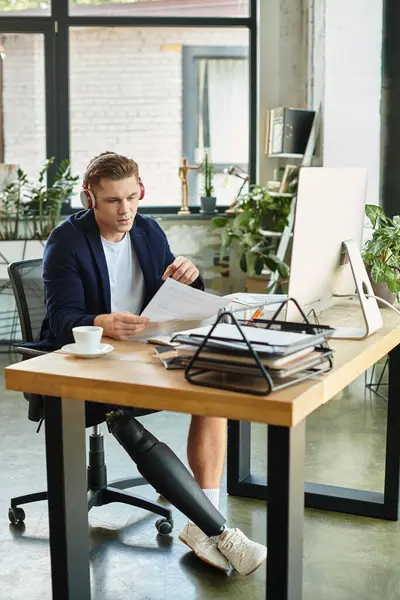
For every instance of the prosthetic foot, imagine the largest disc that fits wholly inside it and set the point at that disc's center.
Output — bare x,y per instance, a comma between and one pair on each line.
165,472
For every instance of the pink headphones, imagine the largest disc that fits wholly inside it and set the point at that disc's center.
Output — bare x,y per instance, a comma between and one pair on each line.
88,199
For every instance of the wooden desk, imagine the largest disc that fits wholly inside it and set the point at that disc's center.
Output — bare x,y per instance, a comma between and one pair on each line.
132,376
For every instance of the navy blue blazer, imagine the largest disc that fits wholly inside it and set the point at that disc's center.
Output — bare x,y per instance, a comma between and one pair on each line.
75,274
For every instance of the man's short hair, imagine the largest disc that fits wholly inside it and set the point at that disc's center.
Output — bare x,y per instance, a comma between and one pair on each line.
110,165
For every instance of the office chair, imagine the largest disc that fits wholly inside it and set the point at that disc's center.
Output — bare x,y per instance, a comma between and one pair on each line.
27,285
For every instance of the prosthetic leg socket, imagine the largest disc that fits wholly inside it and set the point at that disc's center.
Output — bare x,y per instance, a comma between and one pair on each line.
165,472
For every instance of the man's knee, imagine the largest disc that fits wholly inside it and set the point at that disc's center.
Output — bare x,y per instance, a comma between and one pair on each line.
130,433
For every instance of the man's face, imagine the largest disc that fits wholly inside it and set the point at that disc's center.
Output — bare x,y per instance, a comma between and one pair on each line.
116,206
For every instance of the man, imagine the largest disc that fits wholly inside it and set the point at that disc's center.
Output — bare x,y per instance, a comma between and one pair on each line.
101,267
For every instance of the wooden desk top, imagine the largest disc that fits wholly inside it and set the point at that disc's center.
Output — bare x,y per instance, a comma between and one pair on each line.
132,375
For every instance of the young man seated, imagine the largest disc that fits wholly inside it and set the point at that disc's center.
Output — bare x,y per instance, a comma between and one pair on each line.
101,267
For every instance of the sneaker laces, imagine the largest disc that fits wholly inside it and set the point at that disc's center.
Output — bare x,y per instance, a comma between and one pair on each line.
237,543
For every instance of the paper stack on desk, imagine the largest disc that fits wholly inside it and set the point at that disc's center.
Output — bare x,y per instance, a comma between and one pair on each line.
283,353
269,341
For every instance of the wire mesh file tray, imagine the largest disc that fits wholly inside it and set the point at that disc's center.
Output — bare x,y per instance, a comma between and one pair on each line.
223,374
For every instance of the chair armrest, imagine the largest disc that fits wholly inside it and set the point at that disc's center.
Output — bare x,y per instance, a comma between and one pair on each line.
29,352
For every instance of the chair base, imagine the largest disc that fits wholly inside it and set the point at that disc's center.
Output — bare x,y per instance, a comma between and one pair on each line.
101,493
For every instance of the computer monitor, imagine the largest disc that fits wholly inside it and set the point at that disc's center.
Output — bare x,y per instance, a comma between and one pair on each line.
330,211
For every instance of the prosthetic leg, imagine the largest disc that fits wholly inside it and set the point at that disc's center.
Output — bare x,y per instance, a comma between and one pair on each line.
165,472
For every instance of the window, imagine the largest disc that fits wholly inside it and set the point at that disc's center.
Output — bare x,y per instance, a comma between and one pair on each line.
131,101
22,102
95,75
159,8
216,116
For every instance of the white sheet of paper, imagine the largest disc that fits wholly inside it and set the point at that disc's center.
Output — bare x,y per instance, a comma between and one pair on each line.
176,301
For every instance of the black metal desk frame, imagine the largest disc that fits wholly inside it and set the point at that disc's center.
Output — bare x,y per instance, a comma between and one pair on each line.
380,505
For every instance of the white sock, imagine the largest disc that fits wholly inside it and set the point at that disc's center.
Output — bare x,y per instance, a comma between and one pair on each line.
213,496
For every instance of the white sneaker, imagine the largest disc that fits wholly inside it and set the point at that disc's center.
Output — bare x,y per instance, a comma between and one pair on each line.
204,547
244,555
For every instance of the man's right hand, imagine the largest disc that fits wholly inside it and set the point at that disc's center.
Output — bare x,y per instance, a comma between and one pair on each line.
121,325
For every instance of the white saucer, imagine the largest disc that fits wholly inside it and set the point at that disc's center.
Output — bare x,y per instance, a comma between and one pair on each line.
103,349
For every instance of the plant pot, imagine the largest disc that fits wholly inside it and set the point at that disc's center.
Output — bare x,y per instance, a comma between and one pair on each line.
381,290
208,205
257,285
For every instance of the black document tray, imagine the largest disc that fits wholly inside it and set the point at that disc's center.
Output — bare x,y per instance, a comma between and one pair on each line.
197,374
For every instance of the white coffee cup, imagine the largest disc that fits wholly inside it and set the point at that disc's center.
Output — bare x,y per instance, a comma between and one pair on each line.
87,338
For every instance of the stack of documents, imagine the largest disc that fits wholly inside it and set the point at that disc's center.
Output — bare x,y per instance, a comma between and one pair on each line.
282,353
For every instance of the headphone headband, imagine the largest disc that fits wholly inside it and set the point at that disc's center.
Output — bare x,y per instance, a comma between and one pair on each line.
87,197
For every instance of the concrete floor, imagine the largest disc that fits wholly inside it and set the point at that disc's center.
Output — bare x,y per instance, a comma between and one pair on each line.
345,558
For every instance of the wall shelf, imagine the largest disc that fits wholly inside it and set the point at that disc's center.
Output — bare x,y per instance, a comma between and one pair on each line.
285,155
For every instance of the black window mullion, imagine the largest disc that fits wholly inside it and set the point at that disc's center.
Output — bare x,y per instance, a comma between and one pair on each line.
148,21
24,24
50,105
60,10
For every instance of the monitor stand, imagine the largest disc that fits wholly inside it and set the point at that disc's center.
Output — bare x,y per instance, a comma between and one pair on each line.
369,306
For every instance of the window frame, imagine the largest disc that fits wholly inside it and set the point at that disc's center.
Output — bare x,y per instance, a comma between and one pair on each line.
191,105
56,29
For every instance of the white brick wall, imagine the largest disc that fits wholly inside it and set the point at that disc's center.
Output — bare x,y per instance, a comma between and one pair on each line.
126,96
23,97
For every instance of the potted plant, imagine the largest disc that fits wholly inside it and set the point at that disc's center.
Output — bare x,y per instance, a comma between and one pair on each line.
30,210
11,199
381,253
44,203
208,201
257,215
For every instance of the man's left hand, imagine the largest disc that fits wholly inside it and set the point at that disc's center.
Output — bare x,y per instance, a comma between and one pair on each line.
182,270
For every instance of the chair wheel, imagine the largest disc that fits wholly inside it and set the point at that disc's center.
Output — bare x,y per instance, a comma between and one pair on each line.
16,515
164,526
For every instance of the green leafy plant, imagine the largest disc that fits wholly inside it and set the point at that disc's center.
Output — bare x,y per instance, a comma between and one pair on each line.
31,210
44,205
11,200
381,253
208,170
257,215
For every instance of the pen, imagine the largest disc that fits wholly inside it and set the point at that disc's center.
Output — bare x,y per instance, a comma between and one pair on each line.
257,314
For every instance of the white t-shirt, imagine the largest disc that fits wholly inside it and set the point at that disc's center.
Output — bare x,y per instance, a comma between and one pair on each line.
127,284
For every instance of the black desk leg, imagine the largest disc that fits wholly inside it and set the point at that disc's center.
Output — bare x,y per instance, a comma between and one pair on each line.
378,505
285,512
68,513
392,465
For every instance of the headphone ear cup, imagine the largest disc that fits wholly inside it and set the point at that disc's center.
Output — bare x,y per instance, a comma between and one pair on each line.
142,190
88,199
